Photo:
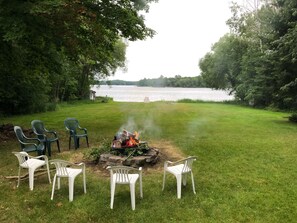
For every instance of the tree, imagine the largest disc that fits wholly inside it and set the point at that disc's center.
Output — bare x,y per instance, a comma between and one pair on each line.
59,47
221,67
257,61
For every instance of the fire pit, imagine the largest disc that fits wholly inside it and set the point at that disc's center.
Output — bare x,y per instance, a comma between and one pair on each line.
128,150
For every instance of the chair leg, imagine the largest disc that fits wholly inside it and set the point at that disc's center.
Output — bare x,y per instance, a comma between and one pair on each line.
77,143
140,185
184,178
84,181
59,183
19,178
49,149
48,173
69,142
164,178
178,184
58,145
112,190
45,147
193,182
53,188
31,178
132,194
87,138
71,188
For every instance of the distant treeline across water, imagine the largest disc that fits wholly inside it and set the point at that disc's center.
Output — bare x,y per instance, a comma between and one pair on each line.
177,81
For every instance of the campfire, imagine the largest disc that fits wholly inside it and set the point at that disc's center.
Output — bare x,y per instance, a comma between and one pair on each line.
126,139
127,149
127,143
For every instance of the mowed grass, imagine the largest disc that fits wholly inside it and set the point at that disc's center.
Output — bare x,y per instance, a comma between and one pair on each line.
246,169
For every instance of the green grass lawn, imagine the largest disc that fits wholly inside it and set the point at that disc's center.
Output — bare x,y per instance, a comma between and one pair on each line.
246,169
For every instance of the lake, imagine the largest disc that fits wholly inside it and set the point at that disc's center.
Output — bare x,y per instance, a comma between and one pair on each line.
140,94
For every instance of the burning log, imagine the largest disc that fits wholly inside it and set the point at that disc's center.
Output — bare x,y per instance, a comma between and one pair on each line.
125,139
127,143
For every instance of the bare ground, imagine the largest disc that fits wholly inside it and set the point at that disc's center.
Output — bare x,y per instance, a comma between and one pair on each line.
167,151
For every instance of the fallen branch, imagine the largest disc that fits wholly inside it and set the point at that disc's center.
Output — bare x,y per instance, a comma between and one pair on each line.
39,173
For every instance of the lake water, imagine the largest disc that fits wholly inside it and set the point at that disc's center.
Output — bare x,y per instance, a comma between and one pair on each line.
140,94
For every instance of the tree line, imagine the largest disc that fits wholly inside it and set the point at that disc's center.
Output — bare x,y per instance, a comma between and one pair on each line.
257,60
177,81
52,51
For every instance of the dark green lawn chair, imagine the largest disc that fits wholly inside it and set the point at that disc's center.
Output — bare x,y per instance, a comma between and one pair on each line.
75,131
29,144
45,136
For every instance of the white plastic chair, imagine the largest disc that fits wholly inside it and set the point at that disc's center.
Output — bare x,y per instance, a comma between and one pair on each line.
31,163
68,170
180,169
122,175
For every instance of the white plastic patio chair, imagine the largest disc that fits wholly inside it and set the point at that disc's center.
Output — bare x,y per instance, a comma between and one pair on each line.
31,163
68,170
125,175
180,169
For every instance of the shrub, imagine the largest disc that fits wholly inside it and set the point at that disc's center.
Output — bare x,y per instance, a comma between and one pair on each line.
293,117
94,153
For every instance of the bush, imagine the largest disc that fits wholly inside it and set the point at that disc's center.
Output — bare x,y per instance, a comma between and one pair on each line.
104,99
293,117
94,153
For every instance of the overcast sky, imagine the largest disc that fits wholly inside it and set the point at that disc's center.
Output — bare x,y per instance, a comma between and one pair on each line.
186,30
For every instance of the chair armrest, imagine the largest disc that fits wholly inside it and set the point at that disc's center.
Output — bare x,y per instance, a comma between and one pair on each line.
51,131
72,164
67,163
27,138
70,131
38,134
38,157
169,163
29,143
80,164
84,129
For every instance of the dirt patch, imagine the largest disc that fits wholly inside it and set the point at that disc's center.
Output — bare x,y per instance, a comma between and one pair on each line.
167,152
7,133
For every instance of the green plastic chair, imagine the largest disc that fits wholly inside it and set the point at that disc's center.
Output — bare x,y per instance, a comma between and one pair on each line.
75,131
29,144
45,136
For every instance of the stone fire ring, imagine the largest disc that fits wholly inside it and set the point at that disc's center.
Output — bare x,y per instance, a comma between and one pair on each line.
149,158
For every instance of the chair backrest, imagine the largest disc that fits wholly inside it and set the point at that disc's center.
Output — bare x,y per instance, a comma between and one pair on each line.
121,173
38,128
71,124
188,162
22,158
20,135
61,167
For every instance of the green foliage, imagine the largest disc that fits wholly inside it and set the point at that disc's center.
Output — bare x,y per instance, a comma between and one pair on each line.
133,151
293,117
176,81
94,153
53,50
257,61
104,99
